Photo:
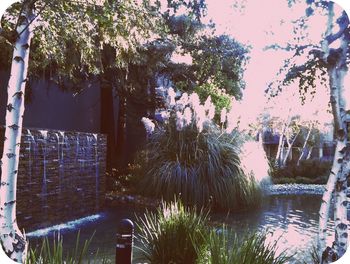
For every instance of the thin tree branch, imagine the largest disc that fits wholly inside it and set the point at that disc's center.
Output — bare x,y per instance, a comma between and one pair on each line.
36,16
343,23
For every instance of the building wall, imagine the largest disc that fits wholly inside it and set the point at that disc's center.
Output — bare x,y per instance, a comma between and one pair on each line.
50,107
61,176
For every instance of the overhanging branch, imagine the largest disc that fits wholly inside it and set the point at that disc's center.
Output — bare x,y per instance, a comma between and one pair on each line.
343,23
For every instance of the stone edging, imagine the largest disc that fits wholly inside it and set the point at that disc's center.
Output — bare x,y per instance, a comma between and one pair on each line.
294,189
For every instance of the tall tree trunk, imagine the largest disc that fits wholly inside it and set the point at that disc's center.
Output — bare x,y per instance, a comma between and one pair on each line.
107,121
309,153
108,118
280,150
337,179
281,142
320,151
337,182
327,197
13,241
290,145
121,133
340,215
304,149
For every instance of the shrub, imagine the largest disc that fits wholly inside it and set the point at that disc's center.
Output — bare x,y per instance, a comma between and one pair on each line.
193,158
220,98
54,254
309,172
123,181
225,247
169,235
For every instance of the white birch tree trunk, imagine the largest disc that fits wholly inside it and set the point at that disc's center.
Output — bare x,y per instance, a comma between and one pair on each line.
320,151
340,211
289,149
304,149
340,214
12,239
279,150
337,182
327,197
309,153
282,140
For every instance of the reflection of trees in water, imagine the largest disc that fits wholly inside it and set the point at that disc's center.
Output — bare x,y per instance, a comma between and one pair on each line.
298,208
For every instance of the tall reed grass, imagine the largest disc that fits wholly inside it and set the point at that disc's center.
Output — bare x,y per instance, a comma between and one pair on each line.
203,168
225,247
54,253
177,234
171,233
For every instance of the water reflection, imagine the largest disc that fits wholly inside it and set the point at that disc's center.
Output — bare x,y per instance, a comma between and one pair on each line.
292,220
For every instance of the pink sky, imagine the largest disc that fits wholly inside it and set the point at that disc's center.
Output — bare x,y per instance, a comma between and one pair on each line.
262,23
258,23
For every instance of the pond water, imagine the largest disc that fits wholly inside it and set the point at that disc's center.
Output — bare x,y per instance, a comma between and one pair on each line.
292,220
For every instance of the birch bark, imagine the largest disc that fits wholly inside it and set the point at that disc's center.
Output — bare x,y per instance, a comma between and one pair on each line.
337,182
290,145
304,149
282,139
340,214
12,239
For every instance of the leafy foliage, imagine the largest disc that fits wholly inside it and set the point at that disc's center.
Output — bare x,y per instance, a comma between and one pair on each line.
313,70
220,60
219,97
309,172
308,76
217,61
70,35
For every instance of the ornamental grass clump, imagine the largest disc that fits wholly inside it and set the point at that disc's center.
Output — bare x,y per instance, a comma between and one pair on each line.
54,253
179,234
191,157
225,247
171,234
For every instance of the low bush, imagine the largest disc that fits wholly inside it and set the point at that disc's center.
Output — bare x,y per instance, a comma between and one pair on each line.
308,172
123,181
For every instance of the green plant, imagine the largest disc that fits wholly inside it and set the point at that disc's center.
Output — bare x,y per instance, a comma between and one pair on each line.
313,256
54,254
170,234
177,234
309,172
225,247
198,162
219,96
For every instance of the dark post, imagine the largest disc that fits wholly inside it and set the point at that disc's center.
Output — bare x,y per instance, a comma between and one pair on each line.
123,249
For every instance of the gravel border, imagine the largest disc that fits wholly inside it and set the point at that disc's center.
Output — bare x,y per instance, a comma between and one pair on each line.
295,189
